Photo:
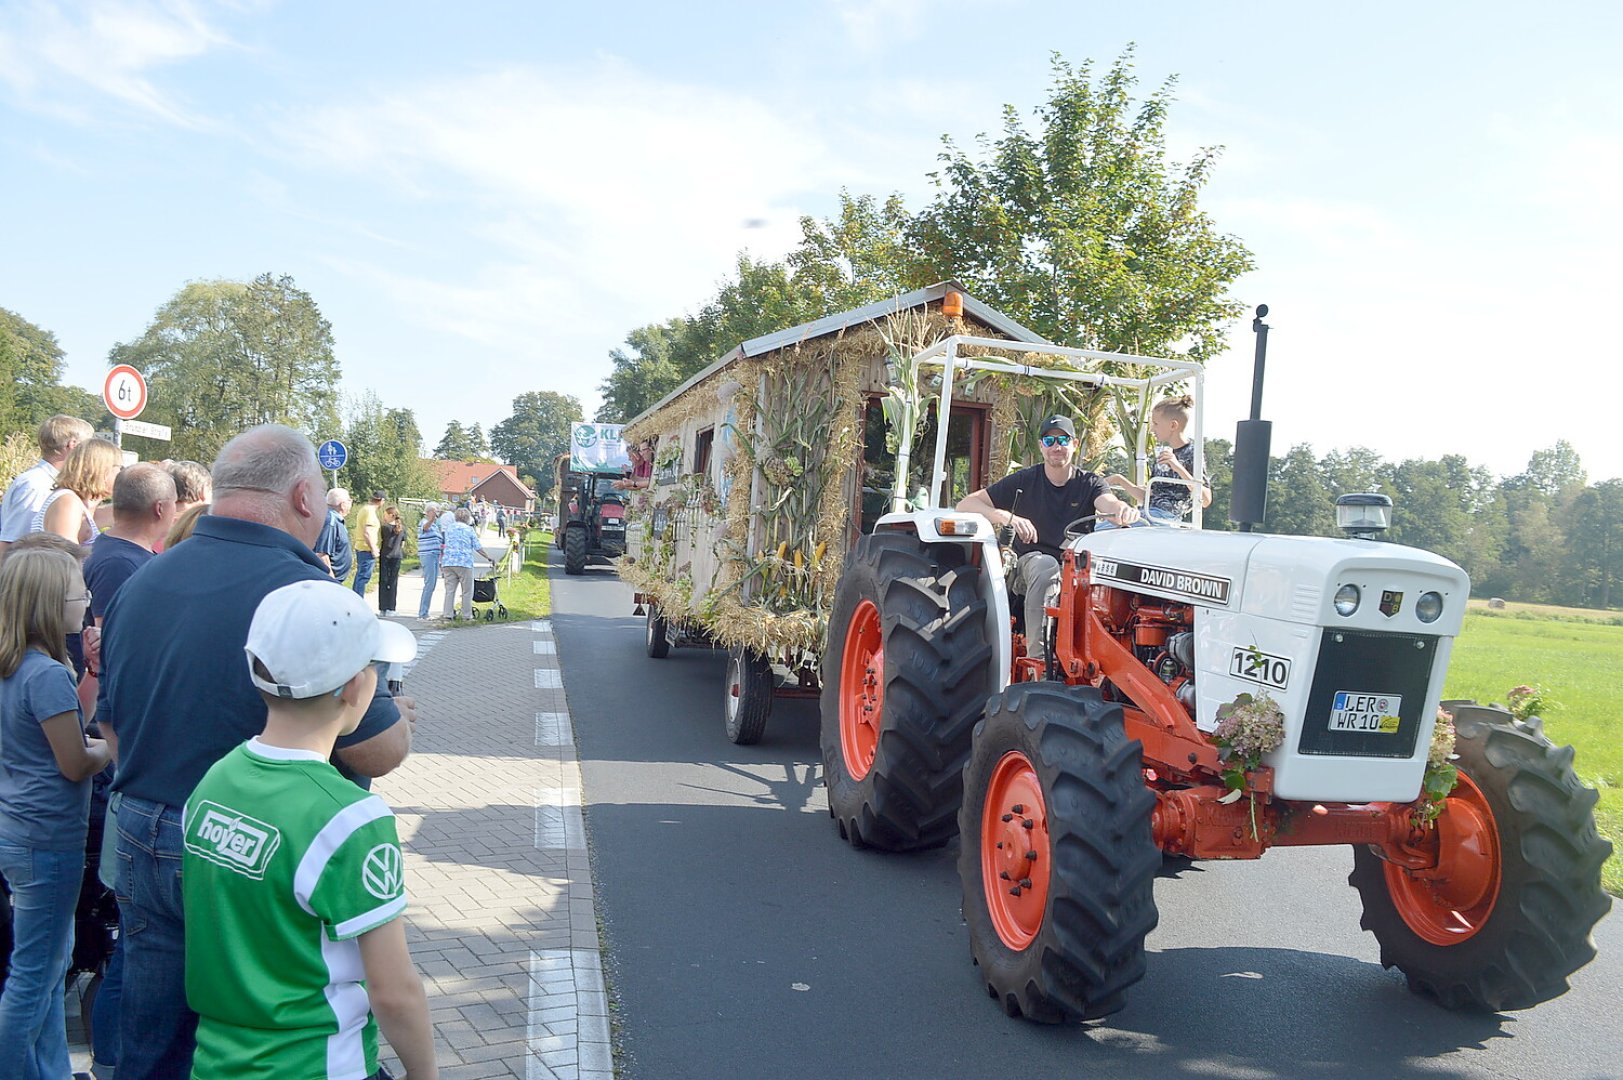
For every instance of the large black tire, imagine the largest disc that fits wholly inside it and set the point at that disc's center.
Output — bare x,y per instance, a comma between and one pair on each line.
1088,921
1536,931
747,703
937,674
659,646
575,550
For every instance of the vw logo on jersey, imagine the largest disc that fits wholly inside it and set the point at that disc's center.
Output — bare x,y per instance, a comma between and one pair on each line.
380,872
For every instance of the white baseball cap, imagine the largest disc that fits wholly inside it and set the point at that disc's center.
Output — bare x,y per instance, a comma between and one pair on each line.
314,636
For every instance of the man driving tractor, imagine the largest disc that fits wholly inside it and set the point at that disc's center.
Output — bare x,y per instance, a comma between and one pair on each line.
1048,496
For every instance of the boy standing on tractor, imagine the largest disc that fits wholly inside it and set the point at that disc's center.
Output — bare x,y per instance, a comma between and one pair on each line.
1051,495
292,877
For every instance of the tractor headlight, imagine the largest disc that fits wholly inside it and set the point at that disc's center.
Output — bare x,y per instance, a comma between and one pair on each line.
1429,607
1347,598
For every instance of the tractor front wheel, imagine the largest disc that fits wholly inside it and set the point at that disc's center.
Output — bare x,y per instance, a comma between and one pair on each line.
1505,916
1057,861
575,550
748,702
905,676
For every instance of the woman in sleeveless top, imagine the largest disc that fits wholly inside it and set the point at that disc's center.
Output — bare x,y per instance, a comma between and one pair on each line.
85,481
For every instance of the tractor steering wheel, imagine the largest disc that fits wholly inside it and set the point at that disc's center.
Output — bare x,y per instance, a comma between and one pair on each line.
1074,529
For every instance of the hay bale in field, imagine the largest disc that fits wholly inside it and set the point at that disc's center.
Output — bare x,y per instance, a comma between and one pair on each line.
1496,603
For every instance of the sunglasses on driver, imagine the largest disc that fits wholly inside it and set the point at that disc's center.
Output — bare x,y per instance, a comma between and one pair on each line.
1056,440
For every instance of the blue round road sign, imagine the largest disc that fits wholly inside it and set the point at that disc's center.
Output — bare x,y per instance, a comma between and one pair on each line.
332,454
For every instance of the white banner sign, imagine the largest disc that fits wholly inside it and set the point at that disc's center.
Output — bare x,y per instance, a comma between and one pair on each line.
597,448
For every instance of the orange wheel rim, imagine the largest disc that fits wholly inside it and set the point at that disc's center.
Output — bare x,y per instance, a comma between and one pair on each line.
862,689
1015,851
1449,903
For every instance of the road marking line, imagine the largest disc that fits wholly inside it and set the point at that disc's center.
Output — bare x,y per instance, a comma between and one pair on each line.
541,626
558,821
544,648
554,729
566,988
548,679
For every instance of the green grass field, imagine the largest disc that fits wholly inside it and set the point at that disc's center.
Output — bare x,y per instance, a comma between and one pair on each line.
1575,659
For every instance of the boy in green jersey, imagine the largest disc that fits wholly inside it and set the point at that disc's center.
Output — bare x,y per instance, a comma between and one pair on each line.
292,875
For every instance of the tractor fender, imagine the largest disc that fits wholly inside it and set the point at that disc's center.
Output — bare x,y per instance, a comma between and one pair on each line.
980,547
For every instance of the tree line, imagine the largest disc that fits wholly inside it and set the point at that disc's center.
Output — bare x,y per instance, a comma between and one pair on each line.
1543,535
219,357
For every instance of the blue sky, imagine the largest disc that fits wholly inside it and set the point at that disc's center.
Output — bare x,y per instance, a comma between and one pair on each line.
484,199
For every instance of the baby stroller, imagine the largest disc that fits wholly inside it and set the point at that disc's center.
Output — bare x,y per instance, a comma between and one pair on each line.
484,592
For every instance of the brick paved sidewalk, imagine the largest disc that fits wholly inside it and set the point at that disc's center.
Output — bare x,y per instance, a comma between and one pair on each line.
501,921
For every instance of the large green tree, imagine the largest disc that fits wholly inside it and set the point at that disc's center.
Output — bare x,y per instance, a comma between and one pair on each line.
463,443
1084,230
223,356
761,298
385,452
536,433
1595,544
31,365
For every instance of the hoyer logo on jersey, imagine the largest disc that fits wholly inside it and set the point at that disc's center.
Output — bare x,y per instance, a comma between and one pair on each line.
1202,587
231,839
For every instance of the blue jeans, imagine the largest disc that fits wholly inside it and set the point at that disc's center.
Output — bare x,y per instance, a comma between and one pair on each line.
364,561
1150,518
105,1035
33,1026
431,577
158,1030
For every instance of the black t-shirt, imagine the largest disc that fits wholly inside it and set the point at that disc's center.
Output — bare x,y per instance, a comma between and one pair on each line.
1048,507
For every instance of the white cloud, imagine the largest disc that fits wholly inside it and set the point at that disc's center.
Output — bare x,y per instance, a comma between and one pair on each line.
601,197
50,54
872,25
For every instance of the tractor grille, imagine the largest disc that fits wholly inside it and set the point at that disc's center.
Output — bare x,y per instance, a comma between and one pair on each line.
1368,662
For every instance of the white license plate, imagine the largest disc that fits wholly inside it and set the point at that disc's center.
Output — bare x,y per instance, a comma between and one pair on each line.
1373,714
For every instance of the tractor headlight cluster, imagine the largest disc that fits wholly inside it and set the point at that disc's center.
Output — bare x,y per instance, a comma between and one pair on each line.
1347,598
1429,607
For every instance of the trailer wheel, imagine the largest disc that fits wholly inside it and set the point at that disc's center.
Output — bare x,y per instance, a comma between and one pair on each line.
659,647
905,676
575,550
1506,916
1057,859
748,701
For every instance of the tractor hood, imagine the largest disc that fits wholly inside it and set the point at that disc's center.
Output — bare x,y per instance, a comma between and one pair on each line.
1294,578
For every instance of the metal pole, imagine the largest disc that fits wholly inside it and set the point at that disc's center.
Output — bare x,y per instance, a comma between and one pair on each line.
1259,328
118,433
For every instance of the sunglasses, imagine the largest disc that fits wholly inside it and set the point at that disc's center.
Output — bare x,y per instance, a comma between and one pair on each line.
1056,440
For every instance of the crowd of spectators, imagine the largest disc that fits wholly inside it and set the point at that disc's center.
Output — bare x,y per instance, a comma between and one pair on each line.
169,572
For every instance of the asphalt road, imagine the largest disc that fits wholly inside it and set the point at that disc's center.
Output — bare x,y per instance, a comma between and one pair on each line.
744,939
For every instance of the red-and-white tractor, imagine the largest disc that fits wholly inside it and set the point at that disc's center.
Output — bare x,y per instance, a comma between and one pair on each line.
1208,695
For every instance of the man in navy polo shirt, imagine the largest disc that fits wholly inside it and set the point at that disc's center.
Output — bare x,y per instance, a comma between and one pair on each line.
176,696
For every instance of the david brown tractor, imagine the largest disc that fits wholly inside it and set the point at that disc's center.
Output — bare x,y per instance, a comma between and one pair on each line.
1208,695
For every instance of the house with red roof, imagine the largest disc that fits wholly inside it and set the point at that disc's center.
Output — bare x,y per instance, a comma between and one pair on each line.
488,480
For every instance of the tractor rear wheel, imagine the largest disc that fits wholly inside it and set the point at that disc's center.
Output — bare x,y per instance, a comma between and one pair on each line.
1057,859
1506,915
905,676
748,701
575,550
659,645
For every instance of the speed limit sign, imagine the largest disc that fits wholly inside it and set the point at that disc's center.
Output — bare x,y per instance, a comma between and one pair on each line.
124,392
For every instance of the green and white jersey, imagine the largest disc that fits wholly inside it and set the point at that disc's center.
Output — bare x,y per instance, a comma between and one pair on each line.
287,863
